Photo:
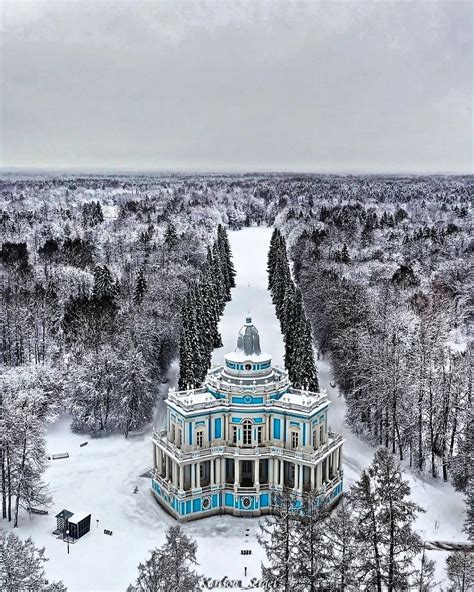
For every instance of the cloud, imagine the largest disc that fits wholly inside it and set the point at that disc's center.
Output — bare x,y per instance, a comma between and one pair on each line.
315,86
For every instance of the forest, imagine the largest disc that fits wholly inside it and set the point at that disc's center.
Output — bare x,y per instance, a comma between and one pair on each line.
105,281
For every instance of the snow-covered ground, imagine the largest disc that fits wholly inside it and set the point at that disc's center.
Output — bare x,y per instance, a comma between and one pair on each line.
100,478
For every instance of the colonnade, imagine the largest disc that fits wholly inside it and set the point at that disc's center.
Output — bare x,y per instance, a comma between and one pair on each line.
319,474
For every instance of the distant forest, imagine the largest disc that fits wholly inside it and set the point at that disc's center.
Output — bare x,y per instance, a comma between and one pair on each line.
97,274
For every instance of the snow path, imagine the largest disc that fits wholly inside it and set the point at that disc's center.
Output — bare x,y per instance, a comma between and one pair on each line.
100,477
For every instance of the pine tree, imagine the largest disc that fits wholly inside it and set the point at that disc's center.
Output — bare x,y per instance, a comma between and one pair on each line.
141,286
171,237
305,374
187,377
22,566
169,569
278,537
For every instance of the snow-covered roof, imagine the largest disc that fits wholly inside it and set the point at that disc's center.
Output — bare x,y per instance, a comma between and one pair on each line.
78,516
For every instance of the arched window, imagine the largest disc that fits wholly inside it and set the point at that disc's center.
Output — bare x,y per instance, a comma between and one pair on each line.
247,432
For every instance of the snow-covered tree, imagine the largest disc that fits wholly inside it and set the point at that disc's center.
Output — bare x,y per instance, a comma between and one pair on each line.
22,566
340,547
278,537
169,568
460,571
385,516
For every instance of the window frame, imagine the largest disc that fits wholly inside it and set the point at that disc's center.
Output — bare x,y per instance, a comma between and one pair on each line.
199,438
247,427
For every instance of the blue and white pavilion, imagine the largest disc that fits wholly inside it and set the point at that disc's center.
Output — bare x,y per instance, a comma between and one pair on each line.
243,435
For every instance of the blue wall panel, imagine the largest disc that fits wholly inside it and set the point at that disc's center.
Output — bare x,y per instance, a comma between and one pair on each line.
276,429
217,428
264,500
196,505
229,499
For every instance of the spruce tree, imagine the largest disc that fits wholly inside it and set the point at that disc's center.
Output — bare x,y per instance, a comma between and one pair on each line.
171,237
141,286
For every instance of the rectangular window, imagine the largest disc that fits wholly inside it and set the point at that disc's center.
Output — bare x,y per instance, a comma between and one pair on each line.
315,439
201,471
178,438
246,467
199,438
321,434
295,438
247,429
234,434
259,435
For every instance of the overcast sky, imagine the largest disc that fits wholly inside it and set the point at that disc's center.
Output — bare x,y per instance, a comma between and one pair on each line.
181,85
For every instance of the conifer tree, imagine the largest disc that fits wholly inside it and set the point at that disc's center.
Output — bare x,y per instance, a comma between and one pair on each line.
278,537
460,571
141,286
171,237
169,569
341,548
385,517
310,560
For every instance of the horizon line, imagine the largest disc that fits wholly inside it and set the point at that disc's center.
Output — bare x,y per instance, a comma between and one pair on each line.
225,172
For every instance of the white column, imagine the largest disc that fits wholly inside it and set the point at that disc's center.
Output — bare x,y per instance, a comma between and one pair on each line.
167,468
198,475
212,471
296,472
193,476
256,478
174,473
270,471
327,468
311,469
319,474
159,460
282,473
236,472
181,477
218,471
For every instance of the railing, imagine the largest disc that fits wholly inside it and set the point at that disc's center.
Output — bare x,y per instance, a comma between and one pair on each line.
184,400
234,451
168,487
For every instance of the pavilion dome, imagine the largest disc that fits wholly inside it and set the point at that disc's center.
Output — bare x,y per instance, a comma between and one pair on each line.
248,340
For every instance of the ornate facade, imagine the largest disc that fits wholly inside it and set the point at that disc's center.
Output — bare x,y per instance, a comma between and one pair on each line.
246,433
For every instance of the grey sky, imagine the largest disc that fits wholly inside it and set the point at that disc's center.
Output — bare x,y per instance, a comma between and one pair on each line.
306,86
